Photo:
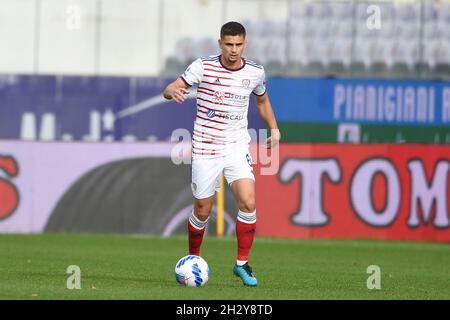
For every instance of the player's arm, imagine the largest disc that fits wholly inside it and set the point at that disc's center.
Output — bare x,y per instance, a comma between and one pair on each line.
267,115
177,91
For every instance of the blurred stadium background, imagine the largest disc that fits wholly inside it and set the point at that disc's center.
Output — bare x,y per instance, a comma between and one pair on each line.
296,37
360,89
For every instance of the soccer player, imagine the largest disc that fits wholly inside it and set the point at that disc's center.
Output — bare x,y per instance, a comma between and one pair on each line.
220,140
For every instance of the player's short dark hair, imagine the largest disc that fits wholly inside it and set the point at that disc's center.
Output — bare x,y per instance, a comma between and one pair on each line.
232,28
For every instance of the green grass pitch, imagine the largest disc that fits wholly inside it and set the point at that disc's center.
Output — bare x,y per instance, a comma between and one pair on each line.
142,267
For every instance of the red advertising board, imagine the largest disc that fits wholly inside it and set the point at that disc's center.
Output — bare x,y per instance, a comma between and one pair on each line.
356,191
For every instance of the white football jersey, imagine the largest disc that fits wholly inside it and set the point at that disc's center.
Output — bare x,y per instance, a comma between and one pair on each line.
223,96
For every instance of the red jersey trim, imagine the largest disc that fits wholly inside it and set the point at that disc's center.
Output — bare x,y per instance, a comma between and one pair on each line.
216,84
205,126
207,133
221,71
212,108
212,120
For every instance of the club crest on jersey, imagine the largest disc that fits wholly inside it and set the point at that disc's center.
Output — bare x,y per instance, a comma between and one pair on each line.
218,96
211,114
246,83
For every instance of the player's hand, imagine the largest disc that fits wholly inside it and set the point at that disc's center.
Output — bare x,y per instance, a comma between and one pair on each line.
274,139
179,95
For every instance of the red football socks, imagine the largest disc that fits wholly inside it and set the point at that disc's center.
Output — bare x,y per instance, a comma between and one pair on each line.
196,230
245,233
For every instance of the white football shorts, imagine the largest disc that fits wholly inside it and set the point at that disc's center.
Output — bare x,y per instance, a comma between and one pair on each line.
206,172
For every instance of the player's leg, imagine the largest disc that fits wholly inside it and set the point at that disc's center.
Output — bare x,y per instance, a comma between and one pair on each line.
205,181
244,190
239,174
197,223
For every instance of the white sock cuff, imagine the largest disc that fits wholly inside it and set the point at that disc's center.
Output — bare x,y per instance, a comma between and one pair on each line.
241,262
247,217
196,222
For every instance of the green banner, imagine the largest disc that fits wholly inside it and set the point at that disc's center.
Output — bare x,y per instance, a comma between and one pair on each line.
344,132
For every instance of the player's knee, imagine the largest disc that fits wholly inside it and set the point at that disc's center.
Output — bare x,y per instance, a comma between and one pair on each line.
202,211
202,215
247,205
